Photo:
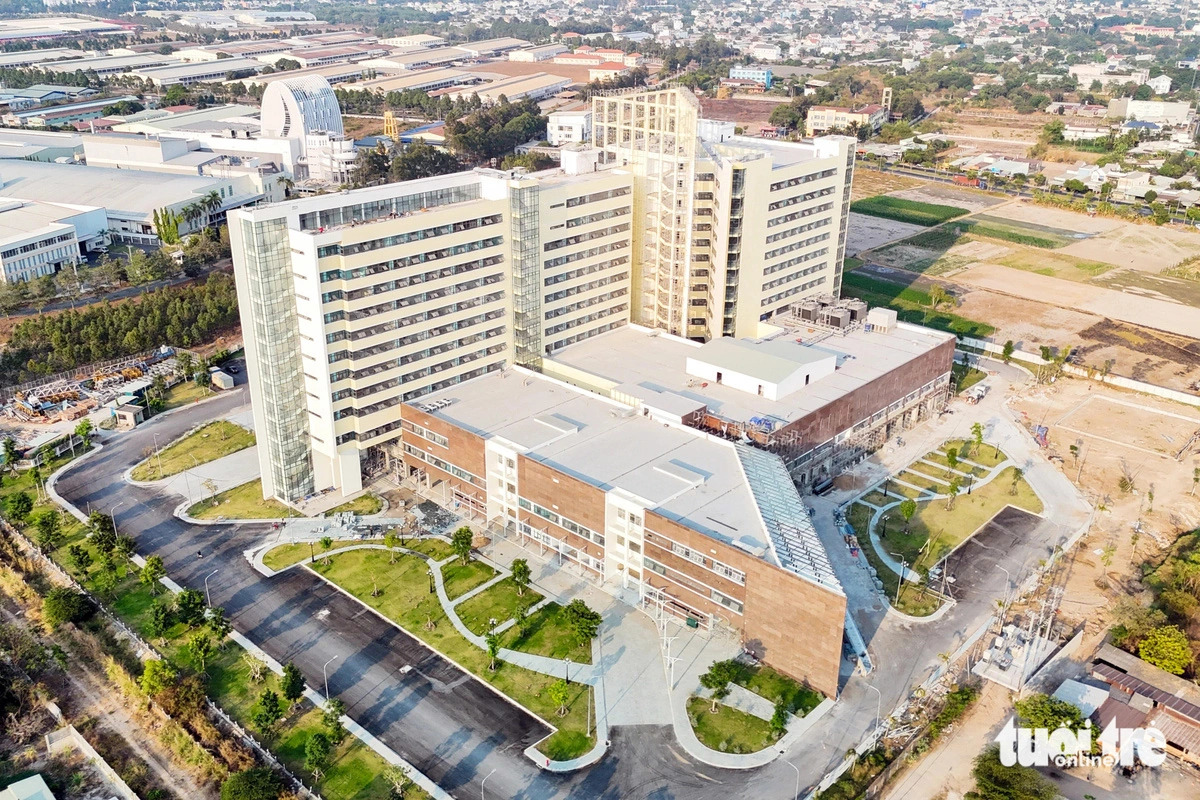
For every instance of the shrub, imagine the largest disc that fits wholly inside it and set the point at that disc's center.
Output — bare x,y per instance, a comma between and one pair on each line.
252,784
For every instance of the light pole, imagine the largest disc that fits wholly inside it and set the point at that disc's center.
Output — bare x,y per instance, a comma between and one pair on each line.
325,674
484,783
158,456
903,570
207,596
793,766
567,670
878,703
112,514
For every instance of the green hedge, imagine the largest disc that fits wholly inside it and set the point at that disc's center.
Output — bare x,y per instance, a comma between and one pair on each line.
913,211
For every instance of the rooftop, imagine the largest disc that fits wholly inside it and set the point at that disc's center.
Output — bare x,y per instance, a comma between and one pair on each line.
122,192
25,220
656,361
729,492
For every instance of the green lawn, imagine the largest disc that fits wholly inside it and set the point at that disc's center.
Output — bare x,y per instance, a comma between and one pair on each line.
405,599
922,481
547,634
369,503
912,305
434,548
499,602
877,498
241,502
935,530
185,393
208,443
354,771
461,578
916,212
285,555
774,686
728,730
965,379
913,599
988,455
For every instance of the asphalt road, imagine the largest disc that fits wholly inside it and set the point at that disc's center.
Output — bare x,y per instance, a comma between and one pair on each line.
448,724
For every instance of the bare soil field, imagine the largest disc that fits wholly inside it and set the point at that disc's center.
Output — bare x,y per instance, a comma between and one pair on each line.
871,183
942,194
360,127
1130,424
572,72
1149,248
867,232
747,113
1056,218
1162,287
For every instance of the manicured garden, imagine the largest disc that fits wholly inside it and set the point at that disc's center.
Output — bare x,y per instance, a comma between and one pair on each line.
403,596
546,632
240,502
901,210
207,443
728,730
369,503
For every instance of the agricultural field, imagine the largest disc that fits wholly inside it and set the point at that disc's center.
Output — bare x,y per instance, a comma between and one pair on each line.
911,211
871,183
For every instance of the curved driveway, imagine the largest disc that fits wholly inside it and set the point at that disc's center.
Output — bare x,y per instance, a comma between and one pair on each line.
445,722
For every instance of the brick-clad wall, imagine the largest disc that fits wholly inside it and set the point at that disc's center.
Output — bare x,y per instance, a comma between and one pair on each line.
465,450
845,412
557,491
791,623
795,625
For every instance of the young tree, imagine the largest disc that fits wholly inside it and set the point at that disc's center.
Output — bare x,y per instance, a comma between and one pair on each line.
124,548
256,666
1167,648
1195,479
391,541
331,718
49,530
1017,475
493,650
101,532
908,510
560,695
259,783
62,605
1006,354
1074,449
952,492
397,778
717,680
189,607
326,544
977,436
291,683
84,431
583,621
268,712
460,542
218,625
161,618
201,648
157,676
152,573
316,753
521,575
11,454
952,460
17,507
81,559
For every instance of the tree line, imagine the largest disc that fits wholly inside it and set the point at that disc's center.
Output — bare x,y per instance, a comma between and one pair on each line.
185,316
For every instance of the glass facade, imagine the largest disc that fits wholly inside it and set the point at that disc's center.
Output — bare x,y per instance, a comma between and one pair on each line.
276,342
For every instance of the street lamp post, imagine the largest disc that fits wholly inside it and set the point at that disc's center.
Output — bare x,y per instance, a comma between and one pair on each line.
325,674
567,670
431,580
112,514
207,596
903,570
158,456
484,783
878,703
793,766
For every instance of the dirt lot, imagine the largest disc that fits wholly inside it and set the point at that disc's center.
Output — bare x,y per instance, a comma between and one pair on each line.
359,127
749,114
942,194
866,232
871,183
1056,218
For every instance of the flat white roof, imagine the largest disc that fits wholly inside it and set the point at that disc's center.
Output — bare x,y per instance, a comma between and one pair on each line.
723,490
650,359
20,221
123,192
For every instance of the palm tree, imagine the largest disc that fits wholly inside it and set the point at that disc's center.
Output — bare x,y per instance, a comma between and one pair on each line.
211,201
